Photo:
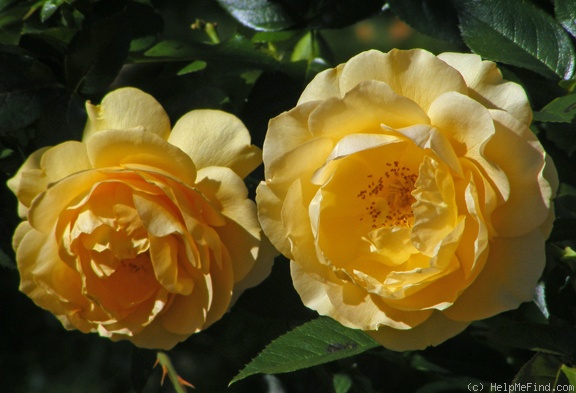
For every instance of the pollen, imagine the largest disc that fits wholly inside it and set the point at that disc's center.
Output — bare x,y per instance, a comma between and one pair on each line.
388,198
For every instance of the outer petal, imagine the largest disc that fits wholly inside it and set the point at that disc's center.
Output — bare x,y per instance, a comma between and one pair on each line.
50,283
530,191
485,85
216,138
48,205
325,84
415,74
29,181
469,126
433,331
467,123
154,336
509,277
136,149
281,174
364,109
241,233
287,131
270,217
124,109
350,304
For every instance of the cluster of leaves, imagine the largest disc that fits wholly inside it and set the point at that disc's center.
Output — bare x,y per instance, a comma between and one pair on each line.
254,62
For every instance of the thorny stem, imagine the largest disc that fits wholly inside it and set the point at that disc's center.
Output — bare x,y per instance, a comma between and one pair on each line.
168,368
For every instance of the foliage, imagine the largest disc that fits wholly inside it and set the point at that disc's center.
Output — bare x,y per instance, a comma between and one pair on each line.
253,58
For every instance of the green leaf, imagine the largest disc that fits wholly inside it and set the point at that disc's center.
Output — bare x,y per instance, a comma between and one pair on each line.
49,8
237,53
565,11
437,19
195,66
266,15
563,135
316,342
6,261
260,15
561,110
97,54
518,33
274,36
26,85
342,383
542,370
536,337
565,202
570,373
308,47
11,22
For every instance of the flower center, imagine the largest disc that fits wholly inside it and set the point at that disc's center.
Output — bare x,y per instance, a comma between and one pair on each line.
389,198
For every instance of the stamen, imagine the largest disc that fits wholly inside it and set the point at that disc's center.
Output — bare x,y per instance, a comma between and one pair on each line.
390,197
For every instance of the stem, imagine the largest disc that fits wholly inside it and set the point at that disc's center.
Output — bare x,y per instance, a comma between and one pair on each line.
165,362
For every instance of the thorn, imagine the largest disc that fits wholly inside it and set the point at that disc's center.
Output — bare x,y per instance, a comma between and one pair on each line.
185,383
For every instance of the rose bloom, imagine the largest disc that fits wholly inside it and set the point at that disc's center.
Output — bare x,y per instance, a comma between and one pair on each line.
140,232
409,194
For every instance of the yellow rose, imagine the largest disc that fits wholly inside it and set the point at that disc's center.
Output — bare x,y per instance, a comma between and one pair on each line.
410,195
140,232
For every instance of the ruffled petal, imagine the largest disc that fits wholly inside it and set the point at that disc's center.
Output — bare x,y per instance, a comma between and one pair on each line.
435,210
530,190
29,181
435,330
50,204
154,336
186,314
508,278
124,109
416,74
464,121
485,85
135,149
349,304
364,108
270,217
50,283
241,233
287,132
216,138
324,85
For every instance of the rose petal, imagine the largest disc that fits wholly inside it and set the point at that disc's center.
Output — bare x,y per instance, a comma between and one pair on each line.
485,85
508,278
52,284
435,330
124,109
350,304
364,109
324,85
29,181
49,205
270,218
464,121
530,191
415,74
241,233
154,336
216,138
139,149
287,132
435,213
